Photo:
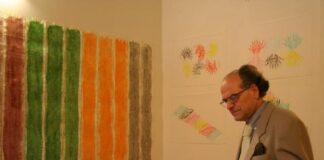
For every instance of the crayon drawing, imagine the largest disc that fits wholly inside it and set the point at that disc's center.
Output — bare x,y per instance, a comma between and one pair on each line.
255,48
199,59
190,117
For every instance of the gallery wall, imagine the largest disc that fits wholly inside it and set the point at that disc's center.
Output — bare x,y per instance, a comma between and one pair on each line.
204,40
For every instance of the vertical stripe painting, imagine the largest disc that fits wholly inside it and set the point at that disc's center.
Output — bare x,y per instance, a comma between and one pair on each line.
88,96
35,38
106,87
146,97
68,95
53,91
134,103
121,108
2,75
71,114
14,86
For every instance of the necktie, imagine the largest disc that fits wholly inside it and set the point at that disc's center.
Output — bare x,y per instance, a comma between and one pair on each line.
245,141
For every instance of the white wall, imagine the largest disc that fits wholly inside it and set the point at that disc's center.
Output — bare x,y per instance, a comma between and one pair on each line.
233,24
138,20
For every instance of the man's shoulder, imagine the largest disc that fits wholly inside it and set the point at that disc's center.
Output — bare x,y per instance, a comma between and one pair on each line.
284,116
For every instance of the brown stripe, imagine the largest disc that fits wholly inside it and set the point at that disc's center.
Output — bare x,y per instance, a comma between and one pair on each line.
13,130
146,140
2,69
134,104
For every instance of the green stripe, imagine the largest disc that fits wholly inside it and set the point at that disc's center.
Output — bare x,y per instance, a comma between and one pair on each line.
34,90
71,99
53,84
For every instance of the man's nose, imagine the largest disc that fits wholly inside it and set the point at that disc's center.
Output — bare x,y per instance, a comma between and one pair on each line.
230,105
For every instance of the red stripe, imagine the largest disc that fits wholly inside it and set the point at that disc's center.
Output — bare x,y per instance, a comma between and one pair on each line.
13,117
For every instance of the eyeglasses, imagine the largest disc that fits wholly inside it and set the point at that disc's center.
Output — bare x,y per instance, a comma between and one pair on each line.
232,98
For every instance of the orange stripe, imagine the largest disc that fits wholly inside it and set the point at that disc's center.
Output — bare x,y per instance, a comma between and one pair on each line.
121,94
105,98
88,96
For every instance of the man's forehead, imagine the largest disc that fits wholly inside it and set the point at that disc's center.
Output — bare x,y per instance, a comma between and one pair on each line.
232,79
231,82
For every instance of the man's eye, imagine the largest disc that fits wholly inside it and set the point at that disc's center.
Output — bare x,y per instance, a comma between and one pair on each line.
233,97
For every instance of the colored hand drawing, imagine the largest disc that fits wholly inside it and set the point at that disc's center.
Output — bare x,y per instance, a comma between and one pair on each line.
192,118
186,53
293,41
273,61
187,69
200,52
213,48
255,48
293,58
196,61
197,68
211,66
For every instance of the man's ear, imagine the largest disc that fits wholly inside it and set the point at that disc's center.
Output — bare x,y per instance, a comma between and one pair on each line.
255,91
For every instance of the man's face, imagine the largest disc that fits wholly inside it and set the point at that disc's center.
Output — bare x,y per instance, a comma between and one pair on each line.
241,102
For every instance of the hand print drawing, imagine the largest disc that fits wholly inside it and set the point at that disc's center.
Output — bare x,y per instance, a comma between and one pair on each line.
293,58
199,60
255,48
273,61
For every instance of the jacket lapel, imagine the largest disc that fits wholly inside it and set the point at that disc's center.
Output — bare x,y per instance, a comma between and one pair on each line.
260,129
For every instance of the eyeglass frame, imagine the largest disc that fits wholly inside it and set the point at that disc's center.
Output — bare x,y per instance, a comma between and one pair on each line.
233,97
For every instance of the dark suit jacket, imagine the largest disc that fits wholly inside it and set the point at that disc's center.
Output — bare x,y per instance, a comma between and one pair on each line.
279,135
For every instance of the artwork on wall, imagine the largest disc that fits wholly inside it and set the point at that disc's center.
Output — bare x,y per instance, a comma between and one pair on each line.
255,48
199,59
275,56
190,117
280,48
68,94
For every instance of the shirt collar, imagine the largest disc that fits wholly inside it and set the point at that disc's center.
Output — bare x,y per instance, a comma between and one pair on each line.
252,121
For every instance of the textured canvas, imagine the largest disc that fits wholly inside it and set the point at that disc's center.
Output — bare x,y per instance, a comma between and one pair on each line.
68,94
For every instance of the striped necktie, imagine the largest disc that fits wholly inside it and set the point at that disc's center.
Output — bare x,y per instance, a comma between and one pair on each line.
246,139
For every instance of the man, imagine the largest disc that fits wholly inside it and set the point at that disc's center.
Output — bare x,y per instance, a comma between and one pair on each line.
275,133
